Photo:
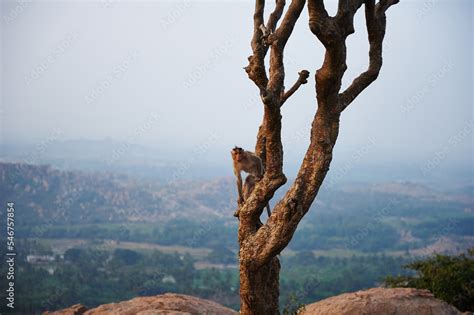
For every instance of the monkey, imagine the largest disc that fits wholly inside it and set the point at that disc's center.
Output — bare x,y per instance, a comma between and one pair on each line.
249,185
250,163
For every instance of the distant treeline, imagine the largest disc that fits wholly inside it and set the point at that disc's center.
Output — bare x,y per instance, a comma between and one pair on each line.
326,232
94,277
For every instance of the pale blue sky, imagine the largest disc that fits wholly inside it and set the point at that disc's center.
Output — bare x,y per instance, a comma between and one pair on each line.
169,75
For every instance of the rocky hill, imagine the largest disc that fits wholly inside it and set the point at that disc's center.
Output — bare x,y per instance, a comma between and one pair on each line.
92,197
399,301
69,197
369,217
169,304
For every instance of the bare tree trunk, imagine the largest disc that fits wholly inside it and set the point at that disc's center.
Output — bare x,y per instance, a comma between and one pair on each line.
261,243
259,286
259,289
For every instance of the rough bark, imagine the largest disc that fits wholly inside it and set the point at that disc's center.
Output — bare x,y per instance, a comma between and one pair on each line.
261,243
257,289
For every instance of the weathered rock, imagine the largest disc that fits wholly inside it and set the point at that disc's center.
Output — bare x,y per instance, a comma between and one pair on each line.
167,304
397,301
77,309
377,301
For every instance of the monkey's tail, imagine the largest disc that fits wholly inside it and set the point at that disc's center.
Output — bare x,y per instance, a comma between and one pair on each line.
268,210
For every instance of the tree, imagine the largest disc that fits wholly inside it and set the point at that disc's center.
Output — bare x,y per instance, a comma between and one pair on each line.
126,256
73,254
261,243
448,278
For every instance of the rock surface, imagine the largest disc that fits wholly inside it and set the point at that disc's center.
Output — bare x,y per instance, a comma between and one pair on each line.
397,301
377,301
167,304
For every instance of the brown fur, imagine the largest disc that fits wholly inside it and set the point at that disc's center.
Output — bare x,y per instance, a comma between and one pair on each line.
250,163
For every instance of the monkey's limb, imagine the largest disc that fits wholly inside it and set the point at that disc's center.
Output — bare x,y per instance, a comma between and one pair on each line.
240,199
261,170
268,210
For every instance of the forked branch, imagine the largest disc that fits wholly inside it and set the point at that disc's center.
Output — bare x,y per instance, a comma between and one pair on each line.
275,15
376,24
271,38
269,239
256,68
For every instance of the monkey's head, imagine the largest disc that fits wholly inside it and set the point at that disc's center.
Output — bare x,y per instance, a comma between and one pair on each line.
237,154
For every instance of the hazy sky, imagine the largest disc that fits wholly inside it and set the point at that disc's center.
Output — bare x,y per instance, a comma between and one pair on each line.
169,75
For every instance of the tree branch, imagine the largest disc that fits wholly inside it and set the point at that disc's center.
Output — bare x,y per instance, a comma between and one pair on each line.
302,79
256,68
275,235
385,4
272,116
289,20
317,11
376,24
275,15
270,239
319,21
345,15
269,144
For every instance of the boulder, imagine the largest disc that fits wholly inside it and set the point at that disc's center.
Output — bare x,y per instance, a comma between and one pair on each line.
167,304
396,301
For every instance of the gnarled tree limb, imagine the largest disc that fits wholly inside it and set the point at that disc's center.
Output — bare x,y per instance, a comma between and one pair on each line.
256,68
302,79
269,145
345,15
261,243
275,15
268,240
376,24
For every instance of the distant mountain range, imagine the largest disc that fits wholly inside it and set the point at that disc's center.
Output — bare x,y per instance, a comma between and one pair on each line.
208,163
99,155
43,192
80,196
